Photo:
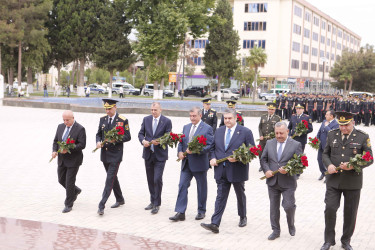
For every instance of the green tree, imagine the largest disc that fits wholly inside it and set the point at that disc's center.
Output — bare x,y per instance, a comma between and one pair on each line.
220,56
257,58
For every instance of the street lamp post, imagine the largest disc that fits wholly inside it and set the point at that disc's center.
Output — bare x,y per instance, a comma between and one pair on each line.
183,70
323,59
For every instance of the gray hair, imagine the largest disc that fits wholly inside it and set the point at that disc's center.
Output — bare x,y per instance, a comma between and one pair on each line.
281,124
156,103
196,109
230,111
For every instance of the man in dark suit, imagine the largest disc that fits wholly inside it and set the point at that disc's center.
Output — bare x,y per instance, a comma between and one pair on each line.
111,152
276,154
327,125
227,139
153,127
232,105
193,165
209,115
342,144
68,164
298,118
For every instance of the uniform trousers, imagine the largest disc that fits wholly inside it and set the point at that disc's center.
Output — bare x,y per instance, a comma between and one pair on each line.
288,203
111,182
185,178
322,168
367,117
67,178
351,202
223,188
319,114
154,172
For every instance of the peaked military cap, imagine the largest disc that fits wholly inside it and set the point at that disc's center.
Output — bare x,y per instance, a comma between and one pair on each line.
109,103
271,105
231,103
300,106
344,118
207,100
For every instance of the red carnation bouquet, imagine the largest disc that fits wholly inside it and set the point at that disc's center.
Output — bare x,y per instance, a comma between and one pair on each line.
314,143
65,145
358,161
170,139
296,165
244,153
196,145
301,128
239,119
114,135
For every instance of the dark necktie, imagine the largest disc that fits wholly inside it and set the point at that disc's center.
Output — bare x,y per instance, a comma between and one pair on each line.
345,139
109,122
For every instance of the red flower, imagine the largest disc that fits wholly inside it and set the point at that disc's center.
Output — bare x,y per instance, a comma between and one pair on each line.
120,130
182,136
310,138
305,163
171,134
72,141
260,147
367,157
304,158
305,123
239,118
68,141
180,140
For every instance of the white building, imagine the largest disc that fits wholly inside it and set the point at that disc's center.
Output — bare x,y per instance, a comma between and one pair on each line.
297,37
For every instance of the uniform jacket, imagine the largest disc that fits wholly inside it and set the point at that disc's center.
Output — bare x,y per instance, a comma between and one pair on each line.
323,132
112,152
197,162
210,118
77,133
235,171
145,133
269,161
240,120
336,152
293,125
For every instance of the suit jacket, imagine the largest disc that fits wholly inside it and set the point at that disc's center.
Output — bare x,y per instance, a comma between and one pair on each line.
336,152
77,133
197,162
112,152
240,120
294,120
323,132
269,161
164,126
235,171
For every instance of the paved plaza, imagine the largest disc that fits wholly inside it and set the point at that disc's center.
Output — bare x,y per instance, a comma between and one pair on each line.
29,190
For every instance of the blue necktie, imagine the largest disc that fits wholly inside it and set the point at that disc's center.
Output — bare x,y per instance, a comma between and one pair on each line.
227,139
280,151
153,132
66,134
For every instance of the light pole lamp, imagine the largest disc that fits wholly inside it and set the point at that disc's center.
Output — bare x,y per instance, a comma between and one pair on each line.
324,60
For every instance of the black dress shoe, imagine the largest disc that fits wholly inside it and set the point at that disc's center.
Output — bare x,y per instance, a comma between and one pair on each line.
178,217
346,246
211,227
326,246
79,191
200,216
243,222
155,210
292,231
101,211
117,204
321,177
67,209
149,207
273,236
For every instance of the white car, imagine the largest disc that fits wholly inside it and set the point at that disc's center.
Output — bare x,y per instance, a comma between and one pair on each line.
226,94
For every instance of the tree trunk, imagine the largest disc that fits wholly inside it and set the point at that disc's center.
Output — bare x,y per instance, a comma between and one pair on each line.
110,84
255,83
350,84
29,81
11,76
345,85
58,73
19,74
71,80
219,89
80,87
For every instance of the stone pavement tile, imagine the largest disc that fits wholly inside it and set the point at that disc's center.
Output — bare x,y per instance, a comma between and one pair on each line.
29,190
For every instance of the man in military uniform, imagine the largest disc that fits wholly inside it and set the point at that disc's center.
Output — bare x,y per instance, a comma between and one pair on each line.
297,118
283,108
232,105
208,114
343,144
310,104
340,104
111,152
267,125
320,107
289,106
278,102
367,107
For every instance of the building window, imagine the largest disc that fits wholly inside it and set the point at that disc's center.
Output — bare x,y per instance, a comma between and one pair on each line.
327,68
305,65
295,64
314,51
313,67
297,11
323,25
320,68
256,7
306,33
249,44
332,57
333,44
296,47
308,16
329,28
334,30
343,47
316,21
321,53
306,49
198,44
339,33
328,41
327,55
339,46
322,39
196,61
297,29
351,40
315,36
255,26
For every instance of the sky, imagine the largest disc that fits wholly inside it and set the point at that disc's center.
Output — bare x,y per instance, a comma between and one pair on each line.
356,15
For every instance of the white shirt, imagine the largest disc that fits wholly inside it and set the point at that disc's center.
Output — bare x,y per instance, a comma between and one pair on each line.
66,128
113,117
231,131
283,147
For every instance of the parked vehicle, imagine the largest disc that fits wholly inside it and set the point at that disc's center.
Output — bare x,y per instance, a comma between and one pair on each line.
198,91
149,91
357,93
226,94
128,88
271,94
97,88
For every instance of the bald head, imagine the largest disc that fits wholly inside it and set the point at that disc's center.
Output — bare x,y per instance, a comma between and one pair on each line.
68,118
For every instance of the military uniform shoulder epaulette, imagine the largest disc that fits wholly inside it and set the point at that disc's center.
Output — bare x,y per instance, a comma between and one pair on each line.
361,131
239,112
122,117
277,116
334,130
103,116
213,110
305,115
